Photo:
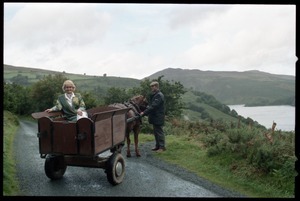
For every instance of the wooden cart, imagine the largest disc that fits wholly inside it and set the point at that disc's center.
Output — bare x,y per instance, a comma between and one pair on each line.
63,143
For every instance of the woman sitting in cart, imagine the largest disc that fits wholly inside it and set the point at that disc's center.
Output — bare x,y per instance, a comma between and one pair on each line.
70,103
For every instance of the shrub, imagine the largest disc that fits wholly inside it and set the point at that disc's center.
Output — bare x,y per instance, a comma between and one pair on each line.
212,139
263,158
234,136
213,151
284,175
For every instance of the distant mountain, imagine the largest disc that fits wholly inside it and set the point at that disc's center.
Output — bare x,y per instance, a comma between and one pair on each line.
232,87
249,87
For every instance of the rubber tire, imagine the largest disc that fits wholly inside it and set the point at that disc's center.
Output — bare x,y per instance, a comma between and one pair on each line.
55,167
115,168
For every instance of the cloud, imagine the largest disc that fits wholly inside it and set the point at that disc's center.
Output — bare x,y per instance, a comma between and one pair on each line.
191,14
137,40
57,25
243,39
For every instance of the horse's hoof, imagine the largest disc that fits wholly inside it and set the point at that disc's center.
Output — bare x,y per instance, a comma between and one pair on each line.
128,155
138,155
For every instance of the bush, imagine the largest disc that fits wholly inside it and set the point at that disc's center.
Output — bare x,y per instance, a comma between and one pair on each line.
212,139
263,159
284,175
213,151
234,136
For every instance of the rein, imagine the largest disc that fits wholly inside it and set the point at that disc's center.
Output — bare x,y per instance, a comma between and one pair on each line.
136,108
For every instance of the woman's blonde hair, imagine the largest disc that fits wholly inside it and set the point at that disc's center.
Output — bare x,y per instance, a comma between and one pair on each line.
68,82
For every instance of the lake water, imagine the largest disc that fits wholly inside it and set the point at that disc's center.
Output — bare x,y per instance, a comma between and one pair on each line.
283,115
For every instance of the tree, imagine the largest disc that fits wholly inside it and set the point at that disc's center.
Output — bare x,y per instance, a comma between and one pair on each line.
89,99
116,95
20,79
16,99
45,91
172,92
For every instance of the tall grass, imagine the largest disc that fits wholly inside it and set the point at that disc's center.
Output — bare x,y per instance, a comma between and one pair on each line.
240,159
10,184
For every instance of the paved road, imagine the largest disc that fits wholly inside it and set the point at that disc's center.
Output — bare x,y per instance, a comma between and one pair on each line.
145,176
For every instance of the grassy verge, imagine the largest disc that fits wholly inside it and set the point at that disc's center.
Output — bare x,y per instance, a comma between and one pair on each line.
220,169
10,184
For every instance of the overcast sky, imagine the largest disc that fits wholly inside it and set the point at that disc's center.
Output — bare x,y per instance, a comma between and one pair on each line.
137,40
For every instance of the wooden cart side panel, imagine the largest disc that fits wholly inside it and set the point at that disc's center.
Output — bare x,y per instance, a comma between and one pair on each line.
85,128
64,137
45,135
119,126
103,132
91,112
110,128
38,115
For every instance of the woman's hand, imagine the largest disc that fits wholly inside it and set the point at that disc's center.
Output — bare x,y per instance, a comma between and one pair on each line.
48,110
79,112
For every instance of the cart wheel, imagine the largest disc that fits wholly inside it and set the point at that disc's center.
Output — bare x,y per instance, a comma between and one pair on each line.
117,148
55,167
115,168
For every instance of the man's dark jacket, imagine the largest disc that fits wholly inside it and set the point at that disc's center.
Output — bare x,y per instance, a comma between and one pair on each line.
156,109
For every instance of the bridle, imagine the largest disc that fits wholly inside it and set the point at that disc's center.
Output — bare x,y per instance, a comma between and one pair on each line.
134,105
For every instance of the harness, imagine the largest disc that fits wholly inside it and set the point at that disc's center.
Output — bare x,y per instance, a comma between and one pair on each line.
134,106
130,104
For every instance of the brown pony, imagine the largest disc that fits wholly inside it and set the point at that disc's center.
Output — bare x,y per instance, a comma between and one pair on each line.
137,104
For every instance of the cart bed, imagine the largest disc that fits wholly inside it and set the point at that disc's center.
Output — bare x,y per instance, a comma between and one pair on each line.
105,129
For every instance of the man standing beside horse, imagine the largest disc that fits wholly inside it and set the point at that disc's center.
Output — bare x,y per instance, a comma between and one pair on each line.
156,116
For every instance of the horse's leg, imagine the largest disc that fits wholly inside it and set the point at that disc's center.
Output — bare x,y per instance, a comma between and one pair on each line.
128,145
136,141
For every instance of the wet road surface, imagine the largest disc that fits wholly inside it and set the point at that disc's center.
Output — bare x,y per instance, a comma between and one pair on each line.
145,176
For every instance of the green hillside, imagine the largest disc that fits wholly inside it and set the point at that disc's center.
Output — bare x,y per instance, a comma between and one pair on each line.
190,98
27,76
197,110
249,87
